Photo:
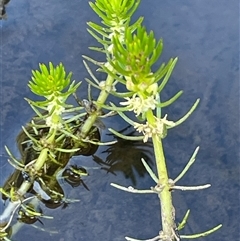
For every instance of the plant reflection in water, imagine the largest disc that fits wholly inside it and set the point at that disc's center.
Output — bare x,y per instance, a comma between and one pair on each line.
45,186
73,176
125,156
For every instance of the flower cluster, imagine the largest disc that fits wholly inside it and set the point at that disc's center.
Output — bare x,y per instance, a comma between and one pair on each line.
133,61
54,121
159,128
139,105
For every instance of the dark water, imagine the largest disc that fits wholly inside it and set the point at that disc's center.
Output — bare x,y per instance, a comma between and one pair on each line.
204,35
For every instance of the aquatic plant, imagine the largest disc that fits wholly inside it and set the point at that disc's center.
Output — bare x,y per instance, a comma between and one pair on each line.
60,131
132,52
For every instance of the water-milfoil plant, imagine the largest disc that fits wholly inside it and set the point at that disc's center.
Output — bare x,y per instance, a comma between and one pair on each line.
132,58
46,143
60,131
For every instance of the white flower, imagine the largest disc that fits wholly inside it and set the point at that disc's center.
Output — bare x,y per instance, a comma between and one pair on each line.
117,30
160,128
53,121
55,105
165,121
140,105
146,129
150,102
103,86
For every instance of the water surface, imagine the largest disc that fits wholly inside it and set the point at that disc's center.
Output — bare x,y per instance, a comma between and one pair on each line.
204,35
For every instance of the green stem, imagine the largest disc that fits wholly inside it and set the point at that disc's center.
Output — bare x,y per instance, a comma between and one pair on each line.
44,152
41,159
101,100
167,209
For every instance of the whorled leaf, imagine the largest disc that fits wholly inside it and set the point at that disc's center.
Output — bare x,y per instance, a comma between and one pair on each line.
49,80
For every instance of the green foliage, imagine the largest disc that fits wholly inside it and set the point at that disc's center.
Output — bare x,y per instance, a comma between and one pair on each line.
134,60
115,17
49,141
49,81
114,12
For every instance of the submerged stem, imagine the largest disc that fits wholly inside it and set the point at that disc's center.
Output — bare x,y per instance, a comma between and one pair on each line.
100,101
